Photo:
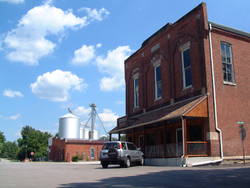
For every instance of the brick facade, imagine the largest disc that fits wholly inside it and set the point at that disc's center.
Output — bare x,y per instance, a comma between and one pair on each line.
165,48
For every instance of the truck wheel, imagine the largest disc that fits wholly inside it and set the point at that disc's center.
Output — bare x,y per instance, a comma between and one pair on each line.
142,162
105,165
127,162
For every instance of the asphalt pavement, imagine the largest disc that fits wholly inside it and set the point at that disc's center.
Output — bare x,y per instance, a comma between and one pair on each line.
86,174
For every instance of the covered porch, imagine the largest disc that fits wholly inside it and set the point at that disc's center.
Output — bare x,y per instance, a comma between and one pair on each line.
174,131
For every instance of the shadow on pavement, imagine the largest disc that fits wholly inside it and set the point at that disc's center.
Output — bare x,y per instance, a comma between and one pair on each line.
193,177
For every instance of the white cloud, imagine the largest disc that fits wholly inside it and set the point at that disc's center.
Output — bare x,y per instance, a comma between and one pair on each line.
12,117
113,64
13,1
17,133
95,14
49,131
55,86
84,55
28,43
119,102
9,93
82,111
108,118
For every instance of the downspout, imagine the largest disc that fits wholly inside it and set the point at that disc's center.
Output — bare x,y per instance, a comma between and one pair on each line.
183,143
214,99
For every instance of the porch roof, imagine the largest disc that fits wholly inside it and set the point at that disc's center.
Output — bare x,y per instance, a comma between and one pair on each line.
193,107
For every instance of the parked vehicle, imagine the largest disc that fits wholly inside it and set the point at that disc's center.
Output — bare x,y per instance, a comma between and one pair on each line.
122,153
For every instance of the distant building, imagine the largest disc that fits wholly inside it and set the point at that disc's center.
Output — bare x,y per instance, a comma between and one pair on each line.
74,140
65,149
187,88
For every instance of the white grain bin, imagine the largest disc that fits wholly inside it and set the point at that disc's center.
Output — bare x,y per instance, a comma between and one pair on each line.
85,133
81,132
95,135
69,126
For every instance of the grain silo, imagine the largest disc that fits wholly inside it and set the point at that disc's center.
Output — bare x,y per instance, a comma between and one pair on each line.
69,126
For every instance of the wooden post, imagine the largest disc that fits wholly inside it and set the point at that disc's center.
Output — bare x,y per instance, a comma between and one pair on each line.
164,139
119,135
185,136
144,138
110,135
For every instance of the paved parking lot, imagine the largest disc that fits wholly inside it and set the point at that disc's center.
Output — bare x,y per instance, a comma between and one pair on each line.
74,175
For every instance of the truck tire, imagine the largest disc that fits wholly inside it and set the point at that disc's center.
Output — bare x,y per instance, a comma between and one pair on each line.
127,162
105,164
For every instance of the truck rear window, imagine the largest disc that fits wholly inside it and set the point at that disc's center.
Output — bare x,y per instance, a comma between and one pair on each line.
111,145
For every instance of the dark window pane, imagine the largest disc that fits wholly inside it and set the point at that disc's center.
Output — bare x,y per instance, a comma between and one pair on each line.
168,136
188,77
131,146
158,73
151,139
186,57
229,77
158,89
227,67
195,133
179,136
225,76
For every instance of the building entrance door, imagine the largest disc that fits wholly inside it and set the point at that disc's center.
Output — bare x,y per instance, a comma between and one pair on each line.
179,148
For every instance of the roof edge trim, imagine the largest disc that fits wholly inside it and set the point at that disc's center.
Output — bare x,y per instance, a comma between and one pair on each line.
229,29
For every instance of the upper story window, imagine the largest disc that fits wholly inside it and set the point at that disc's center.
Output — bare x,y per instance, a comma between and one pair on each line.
136,92
227,62
186,65
157,82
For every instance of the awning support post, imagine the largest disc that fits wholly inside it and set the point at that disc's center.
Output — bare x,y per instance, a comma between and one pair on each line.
110,136
133,135
164,139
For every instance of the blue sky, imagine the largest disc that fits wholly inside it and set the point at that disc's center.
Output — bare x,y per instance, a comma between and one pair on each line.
62,54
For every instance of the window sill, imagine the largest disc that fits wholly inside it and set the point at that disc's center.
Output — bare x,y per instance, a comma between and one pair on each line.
187,88
158,99
229,83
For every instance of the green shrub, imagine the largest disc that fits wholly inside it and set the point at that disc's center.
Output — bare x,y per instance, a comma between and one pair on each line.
80,157
87,157
75,158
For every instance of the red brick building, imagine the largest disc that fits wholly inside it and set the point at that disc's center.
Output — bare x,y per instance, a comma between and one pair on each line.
65,149
186,90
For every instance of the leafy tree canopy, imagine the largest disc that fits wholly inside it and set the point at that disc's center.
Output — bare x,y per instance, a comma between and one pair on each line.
2,137
36,142
2,140
10,150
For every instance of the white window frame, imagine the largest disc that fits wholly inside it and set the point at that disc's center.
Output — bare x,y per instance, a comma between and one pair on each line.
136,94
228,63
156,83
183,48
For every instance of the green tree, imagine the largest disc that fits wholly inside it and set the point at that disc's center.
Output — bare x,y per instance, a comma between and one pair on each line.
36,142
2,140
10,150
123,137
